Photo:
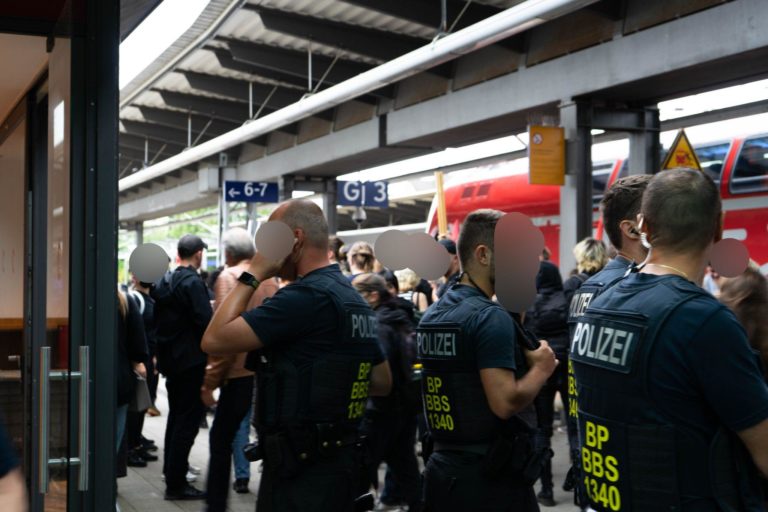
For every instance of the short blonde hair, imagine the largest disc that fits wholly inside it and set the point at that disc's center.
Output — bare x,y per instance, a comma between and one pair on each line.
591,255
407,279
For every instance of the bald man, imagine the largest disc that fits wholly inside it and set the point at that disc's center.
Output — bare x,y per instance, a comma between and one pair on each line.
318,360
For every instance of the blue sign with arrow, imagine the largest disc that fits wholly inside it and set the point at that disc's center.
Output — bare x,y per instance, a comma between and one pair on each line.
363,193
251,191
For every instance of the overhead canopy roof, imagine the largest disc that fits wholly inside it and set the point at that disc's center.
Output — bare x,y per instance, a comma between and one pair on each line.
260,50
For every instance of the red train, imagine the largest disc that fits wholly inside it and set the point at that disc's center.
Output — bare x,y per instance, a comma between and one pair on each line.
739,166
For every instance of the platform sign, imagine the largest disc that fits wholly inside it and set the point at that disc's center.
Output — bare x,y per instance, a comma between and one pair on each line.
251,191
546,155
363,193
681,154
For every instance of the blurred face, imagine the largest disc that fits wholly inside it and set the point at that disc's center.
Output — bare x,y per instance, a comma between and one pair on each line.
197,259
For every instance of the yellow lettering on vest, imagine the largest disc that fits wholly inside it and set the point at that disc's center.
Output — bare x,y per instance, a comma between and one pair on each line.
365,369
434,384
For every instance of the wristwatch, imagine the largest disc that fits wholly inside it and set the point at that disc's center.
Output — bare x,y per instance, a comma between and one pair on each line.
249,279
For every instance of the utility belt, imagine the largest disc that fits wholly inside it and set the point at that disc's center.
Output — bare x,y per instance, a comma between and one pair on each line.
509,455
287,450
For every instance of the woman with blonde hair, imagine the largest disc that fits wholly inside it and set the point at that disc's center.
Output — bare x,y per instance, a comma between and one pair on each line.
591,256
360,258
407,281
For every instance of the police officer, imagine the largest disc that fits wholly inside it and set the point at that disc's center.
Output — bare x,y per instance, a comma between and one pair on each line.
673,409
475,387
619,207
318,360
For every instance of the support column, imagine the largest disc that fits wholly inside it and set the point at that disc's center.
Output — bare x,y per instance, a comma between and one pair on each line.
576,194
138,228
287,186
644,145
329,205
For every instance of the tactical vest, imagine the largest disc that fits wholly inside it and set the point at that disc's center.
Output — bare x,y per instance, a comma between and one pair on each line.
611,274
633,458
454,401
334,387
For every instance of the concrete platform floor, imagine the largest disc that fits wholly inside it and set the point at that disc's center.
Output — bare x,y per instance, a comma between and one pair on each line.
142,490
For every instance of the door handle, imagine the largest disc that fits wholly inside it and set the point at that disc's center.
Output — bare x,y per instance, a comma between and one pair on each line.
44,461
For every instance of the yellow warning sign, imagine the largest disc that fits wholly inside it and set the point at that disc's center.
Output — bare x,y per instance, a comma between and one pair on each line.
681,154
546,155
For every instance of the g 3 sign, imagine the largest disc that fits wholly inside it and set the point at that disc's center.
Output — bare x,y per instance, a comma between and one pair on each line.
363,193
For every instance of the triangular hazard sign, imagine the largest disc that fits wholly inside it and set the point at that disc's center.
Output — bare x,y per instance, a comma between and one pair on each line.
681,154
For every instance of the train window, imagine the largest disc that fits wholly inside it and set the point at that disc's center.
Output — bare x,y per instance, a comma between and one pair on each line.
600,175
712,159
751,171
467,192
484,189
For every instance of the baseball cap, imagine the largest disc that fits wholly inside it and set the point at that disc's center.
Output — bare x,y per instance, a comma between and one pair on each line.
189,245
449,245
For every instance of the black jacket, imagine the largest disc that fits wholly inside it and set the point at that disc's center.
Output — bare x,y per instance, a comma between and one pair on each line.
182,313
131,348
395,330
548,316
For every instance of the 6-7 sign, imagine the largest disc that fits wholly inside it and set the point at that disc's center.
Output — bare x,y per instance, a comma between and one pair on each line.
363,193
251,191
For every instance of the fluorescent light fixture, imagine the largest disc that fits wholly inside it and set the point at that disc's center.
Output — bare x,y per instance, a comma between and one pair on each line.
714,100
155,34
436,160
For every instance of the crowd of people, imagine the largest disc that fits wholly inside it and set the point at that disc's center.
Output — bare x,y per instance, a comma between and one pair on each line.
341,365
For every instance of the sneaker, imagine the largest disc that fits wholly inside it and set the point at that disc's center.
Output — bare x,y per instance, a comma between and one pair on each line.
380,506
134,460
191,477
194,469
186,493
546,498
144,454
241,486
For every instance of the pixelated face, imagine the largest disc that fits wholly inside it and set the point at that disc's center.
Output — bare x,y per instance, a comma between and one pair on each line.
276,242
729,257
517,246
148,262
418,251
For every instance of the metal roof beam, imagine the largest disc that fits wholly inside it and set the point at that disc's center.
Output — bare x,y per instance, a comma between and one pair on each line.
179,120
137,142
294,62
238,89
377,44
233,111
228,62
157,132
428,13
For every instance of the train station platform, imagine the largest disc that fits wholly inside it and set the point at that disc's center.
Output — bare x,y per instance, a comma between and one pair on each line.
142,490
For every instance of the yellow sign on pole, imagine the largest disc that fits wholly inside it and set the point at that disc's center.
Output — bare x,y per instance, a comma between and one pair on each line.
681,154
442,214
546,155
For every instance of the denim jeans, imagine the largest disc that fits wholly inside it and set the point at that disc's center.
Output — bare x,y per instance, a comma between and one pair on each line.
242,438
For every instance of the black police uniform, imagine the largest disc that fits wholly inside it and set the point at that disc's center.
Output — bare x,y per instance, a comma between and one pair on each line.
665,376
320,344
182,313
613,272
478,461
